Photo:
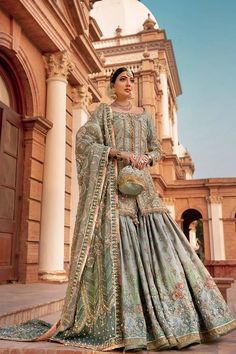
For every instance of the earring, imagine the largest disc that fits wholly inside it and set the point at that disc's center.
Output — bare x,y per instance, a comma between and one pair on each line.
111,93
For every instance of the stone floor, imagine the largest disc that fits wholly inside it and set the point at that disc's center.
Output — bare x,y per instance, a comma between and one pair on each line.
11,298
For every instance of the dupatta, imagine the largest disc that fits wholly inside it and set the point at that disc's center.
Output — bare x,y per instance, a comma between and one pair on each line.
91,314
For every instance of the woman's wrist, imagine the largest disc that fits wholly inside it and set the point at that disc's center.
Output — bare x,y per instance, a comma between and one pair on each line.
117,154
149,159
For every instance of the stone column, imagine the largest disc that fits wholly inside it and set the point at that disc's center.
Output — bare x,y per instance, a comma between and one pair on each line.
81,99
147,79
51,265
164,102
216,231
175,132
170,204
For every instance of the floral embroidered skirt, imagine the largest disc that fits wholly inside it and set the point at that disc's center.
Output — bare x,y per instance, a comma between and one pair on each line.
168,297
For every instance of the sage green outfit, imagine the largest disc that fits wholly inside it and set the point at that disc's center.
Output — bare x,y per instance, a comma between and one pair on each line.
134,281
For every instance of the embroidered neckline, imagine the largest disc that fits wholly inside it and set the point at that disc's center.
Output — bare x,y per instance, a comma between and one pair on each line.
138,115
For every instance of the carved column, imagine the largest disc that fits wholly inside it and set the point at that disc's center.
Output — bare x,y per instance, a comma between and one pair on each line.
216,230
164,101
51,267
175,132
81,100
148,94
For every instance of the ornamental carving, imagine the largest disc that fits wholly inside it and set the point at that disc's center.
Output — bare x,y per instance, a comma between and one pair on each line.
162,68
81,97
146,53
214,199
149,24
58,65
169,201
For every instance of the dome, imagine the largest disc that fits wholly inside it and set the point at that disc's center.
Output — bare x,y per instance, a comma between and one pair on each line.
129,15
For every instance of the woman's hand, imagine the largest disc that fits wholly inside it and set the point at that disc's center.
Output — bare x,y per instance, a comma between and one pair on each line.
129,158
121,155
139,161
126,157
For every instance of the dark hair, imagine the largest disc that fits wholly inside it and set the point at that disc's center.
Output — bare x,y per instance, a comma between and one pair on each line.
117,72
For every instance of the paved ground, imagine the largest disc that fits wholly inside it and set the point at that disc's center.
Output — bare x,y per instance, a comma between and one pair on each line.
227,345
15,297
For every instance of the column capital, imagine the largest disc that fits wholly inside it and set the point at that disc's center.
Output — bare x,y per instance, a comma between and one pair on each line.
214,199
58,65
163,68
81,97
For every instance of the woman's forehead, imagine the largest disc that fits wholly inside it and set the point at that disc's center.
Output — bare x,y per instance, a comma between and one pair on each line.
127,73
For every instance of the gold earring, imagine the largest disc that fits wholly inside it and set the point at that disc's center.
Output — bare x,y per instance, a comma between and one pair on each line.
113,93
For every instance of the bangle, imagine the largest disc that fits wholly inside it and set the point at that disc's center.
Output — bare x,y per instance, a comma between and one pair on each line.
118,155
149,158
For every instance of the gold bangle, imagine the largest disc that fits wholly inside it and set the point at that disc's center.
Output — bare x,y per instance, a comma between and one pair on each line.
149,159
118,155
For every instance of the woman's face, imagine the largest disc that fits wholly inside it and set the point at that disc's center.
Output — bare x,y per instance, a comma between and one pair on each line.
124,85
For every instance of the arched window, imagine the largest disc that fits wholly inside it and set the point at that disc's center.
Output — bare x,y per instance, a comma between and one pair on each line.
10,92
193,229
4,93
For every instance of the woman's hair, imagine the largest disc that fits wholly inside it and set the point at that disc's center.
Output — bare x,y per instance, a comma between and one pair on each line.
118,71
110,91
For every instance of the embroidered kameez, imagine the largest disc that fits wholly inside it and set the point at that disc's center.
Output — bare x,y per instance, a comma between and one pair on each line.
135,282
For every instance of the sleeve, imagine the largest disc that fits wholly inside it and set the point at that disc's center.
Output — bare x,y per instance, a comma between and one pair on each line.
153,144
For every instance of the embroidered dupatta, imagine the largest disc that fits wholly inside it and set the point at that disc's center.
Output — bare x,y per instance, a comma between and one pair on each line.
91,314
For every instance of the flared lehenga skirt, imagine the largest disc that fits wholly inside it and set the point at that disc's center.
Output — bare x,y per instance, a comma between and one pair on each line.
168,299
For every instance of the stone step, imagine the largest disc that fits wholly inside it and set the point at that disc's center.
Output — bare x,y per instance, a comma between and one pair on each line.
23,302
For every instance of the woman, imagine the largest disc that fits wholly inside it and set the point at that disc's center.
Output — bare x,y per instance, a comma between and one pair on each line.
135,283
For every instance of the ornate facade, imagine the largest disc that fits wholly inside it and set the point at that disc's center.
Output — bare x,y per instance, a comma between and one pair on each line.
54,69
46,56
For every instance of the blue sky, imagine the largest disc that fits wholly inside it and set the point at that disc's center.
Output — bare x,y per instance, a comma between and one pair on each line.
203,33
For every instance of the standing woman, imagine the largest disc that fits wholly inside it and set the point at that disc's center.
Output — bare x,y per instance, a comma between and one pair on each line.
135,282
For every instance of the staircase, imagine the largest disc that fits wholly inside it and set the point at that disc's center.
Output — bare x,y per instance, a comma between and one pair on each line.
23,302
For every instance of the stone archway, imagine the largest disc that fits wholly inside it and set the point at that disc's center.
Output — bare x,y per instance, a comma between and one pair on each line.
11,161
193,229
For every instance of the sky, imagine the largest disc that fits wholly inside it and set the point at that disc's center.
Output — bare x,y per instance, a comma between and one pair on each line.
203,34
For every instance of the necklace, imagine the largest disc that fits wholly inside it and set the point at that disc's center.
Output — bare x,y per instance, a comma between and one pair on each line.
125,108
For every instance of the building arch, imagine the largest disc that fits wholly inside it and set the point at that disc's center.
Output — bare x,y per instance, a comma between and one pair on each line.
233,213
11,162
18,69
12,82
192,227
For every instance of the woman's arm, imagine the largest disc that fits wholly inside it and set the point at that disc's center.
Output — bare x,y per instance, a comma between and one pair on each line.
153,144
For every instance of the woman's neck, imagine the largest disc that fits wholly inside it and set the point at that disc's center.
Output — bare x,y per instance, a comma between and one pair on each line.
122,102
123,105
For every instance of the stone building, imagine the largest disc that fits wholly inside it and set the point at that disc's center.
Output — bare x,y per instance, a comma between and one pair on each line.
46,56
55,61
